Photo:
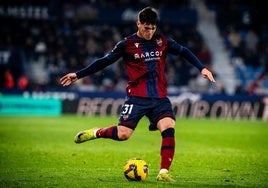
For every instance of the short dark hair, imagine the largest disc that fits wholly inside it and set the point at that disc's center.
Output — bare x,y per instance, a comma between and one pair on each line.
148,15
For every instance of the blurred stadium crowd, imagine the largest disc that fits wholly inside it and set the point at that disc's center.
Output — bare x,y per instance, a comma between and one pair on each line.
38,47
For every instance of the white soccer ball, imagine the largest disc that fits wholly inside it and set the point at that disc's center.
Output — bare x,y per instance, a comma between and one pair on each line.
136,169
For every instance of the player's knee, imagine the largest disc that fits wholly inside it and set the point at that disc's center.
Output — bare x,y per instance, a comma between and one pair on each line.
124,133
123,137
165,123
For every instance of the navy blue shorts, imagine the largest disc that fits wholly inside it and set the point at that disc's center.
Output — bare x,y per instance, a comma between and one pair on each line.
135,108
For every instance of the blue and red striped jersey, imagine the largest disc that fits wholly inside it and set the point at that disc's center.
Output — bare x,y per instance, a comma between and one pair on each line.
144,62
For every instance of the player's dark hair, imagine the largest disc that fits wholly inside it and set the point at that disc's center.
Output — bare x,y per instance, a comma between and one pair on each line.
148,15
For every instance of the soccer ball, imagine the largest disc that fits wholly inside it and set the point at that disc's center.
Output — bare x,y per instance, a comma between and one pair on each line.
136,169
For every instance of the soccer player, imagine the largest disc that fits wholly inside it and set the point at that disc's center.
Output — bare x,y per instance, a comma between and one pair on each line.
144,56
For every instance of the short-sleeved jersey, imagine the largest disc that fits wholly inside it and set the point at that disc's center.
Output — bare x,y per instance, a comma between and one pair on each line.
144,62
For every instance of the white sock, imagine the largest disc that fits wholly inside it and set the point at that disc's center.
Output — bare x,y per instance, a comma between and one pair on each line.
95,133
163,170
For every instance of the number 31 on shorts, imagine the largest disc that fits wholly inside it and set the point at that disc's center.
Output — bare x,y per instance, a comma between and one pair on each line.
127,109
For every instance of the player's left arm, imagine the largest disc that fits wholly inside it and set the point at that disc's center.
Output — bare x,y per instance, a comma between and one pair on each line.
188,55
177,49
207,74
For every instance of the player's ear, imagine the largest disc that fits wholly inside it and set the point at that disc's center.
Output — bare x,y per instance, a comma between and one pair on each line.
138,23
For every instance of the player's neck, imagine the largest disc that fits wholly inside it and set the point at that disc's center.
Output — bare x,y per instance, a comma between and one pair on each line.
139,35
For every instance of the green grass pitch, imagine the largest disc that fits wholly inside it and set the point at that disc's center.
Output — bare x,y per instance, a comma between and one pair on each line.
40,152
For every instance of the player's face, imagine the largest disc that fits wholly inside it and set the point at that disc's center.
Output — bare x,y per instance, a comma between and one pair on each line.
146,31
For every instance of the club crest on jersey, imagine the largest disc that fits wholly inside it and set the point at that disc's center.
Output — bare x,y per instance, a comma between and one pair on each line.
136,44
159,42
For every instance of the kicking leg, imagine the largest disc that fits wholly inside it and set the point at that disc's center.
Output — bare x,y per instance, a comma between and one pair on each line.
118,133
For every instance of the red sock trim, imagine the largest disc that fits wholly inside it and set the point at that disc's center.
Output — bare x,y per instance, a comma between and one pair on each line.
109,132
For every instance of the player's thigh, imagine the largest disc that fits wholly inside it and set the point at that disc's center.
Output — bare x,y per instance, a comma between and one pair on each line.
162,111
132,111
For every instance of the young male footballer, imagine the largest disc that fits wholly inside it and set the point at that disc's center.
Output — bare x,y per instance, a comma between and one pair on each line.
144,57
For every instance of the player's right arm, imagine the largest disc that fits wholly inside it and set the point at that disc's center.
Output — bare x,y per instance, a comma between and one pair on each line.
96,66
68,79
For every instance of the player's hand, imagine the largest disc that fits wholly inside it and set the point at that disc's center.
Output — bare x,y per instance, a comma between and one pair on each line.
207,74
68,79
